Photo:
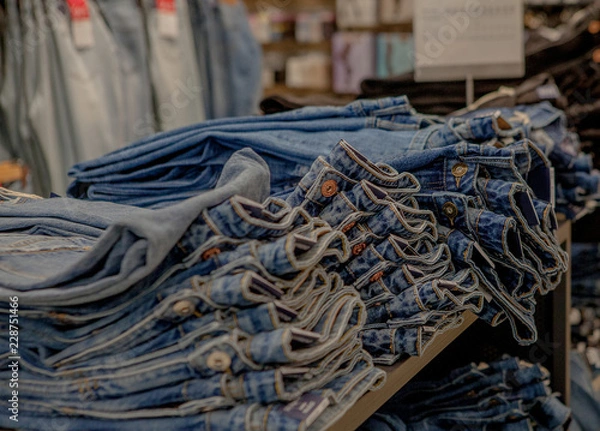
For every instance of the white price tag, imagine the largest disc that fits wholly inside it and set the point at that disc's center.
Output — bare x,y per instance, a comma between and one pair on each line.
167,19
81,25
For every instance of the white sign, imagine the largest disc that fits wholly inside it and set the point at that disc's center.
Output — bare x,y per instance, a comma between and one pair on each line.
455,39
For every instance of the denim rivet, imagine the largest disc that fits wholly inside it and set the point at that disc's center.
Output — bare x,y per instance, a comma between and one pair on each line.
218,361
359,248
183,308
376,276
329,188
348,227
459,170
210,253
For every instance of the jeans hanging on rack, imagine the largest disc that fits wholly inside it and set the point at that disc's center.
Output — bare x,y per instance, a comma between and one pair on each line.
173,70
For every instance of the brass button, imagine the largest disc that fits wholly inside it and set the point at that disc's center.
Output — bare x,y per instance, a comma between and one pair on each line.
329,188
594,27
348,227
359,248
377,276
459,170
471,394
210,253
596,56
218,361
184,308
450,210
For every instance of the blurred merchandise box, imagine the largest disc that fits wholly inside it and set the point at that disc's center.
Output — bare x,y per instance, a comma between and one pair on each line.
395,54
314,27
309,71
396,11
356,13
353,60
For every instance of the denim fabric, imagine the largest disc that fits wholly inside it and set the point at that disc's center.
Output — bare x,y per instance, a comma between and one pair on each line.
388,345
125,22
337,327
243,60
341,393
60,216
130,250
586,401
505,394
173,72
499,236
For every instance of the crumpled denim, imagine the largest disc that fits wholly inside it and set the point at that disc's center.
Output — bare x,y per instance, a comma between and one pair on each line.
129,250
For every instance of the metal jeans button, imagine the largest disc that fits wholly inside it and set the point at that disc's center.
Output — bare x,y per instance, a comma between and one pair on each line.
184,308
329,188
210,253
218,361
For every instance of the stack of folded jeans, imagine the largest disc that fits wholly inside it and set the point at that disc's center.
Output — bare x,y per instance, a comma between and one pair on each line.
219,308
508,394
422,258
407,279
490,203
576,180
236,328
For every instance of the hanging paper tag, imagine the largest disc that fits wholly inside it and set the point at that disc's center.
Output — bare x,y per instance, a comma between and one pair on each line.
167,19
81,25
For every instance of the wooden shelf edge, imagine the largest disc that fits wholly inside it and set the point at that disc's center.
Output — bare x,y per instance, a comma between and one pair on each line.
397,376
563,233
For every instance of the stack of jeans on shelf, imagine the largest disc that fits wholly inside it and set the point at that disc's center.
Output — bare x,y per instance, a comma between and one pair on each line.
407,280
508,394
235,327
216,308
465,183
420,258
577,183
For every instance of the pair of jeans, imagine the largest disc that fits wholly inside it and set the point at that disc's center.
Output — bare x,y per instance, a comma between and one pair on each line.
174,71
89,105
127,252
125,22
229,58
